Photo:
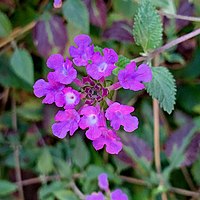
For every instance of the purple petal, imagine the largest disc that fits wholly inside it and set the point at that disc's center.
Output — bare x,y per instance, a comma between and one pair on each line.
103,181
60,129
95,196
82,40
57,4
144,73
40,88
118,195
55,61
93,133
130,123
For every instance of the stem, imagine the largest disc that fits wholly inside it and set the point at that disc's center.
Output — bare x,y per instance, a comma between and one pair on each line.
77,191
168,46
182,17
188,178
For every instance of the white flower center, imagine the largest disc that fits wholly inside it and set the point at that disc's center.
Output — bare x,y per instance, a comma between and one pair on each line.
102,67
70,97
92,119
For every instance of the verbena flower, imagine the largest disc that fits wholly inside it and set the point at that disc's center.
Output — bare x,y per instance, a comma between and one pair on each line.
57,3
117,194
88,106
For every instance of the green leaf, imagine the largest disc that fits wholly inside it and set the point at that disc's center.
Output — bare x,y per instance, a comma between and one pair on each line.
65,194
22,65
163,88
45,162
5,25
77,157
195,171
63,167
7,188
76,12
147,29
121,64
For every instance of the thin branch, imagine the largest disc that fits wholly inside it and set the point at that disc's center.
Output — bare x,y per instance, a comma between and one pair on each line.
182,17
16,33
168,46
134,180
188,178
77,191
185,192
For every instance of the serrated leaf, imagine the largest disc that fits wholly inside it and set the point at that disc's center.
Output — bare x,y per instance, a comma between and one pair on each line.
121,64
45,162
147,29
76,12
7,187
5,25
22,65
163,88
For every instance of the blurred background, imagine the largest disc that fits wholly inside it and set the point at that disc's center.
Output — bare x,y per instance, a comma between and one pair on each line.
36,165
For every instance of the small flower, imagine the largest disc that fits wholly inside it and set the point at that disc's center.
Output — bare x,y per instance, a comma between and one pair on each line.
120,115
95,196
57,3
64,71
68,97
49,89
103,181
83,52
102,66
118,195
92,119
110,139
67,122
132,77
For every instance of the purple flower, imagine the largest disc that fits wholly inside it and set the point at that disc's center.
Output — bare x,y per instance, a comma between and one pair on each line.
132,77
83,52
49,89
67,122
95,196
92,119
110,139
68,97
102,66
120,115
103,181
57,3
64,71
118,195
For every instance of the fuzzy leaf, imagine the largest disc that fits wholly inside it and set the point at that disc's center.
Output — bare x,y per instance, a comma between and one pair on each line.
147,29
163,88
5,25
121,64
22,65
76,12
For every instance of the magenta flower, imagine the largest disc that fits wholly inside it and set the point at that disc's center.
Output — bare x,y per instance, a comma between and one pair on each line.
118,195
49,89
120,115
67,121
57,3
102,66
64,71
110,139
95,196
132,77
68,97
103,181
83,52
92,119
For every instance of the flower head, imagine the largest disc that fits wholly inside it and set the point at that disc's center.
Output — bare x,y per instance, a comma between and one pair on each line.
120,115
67,121
83,52
48,89
102,66
103,181
110,139
118,195
95,196
92,119
64,71
132,77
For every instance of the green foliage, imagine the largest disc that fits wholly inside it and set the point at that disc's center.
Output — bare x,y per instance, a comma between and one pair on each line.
163,88
65,194
22,65
147,29
76,12
121,64
195,171
5,25
7,188
45,162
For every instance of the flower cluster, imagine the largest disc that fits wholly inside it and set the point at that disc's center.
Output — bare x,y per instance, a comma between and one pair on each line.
89,107
104,185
